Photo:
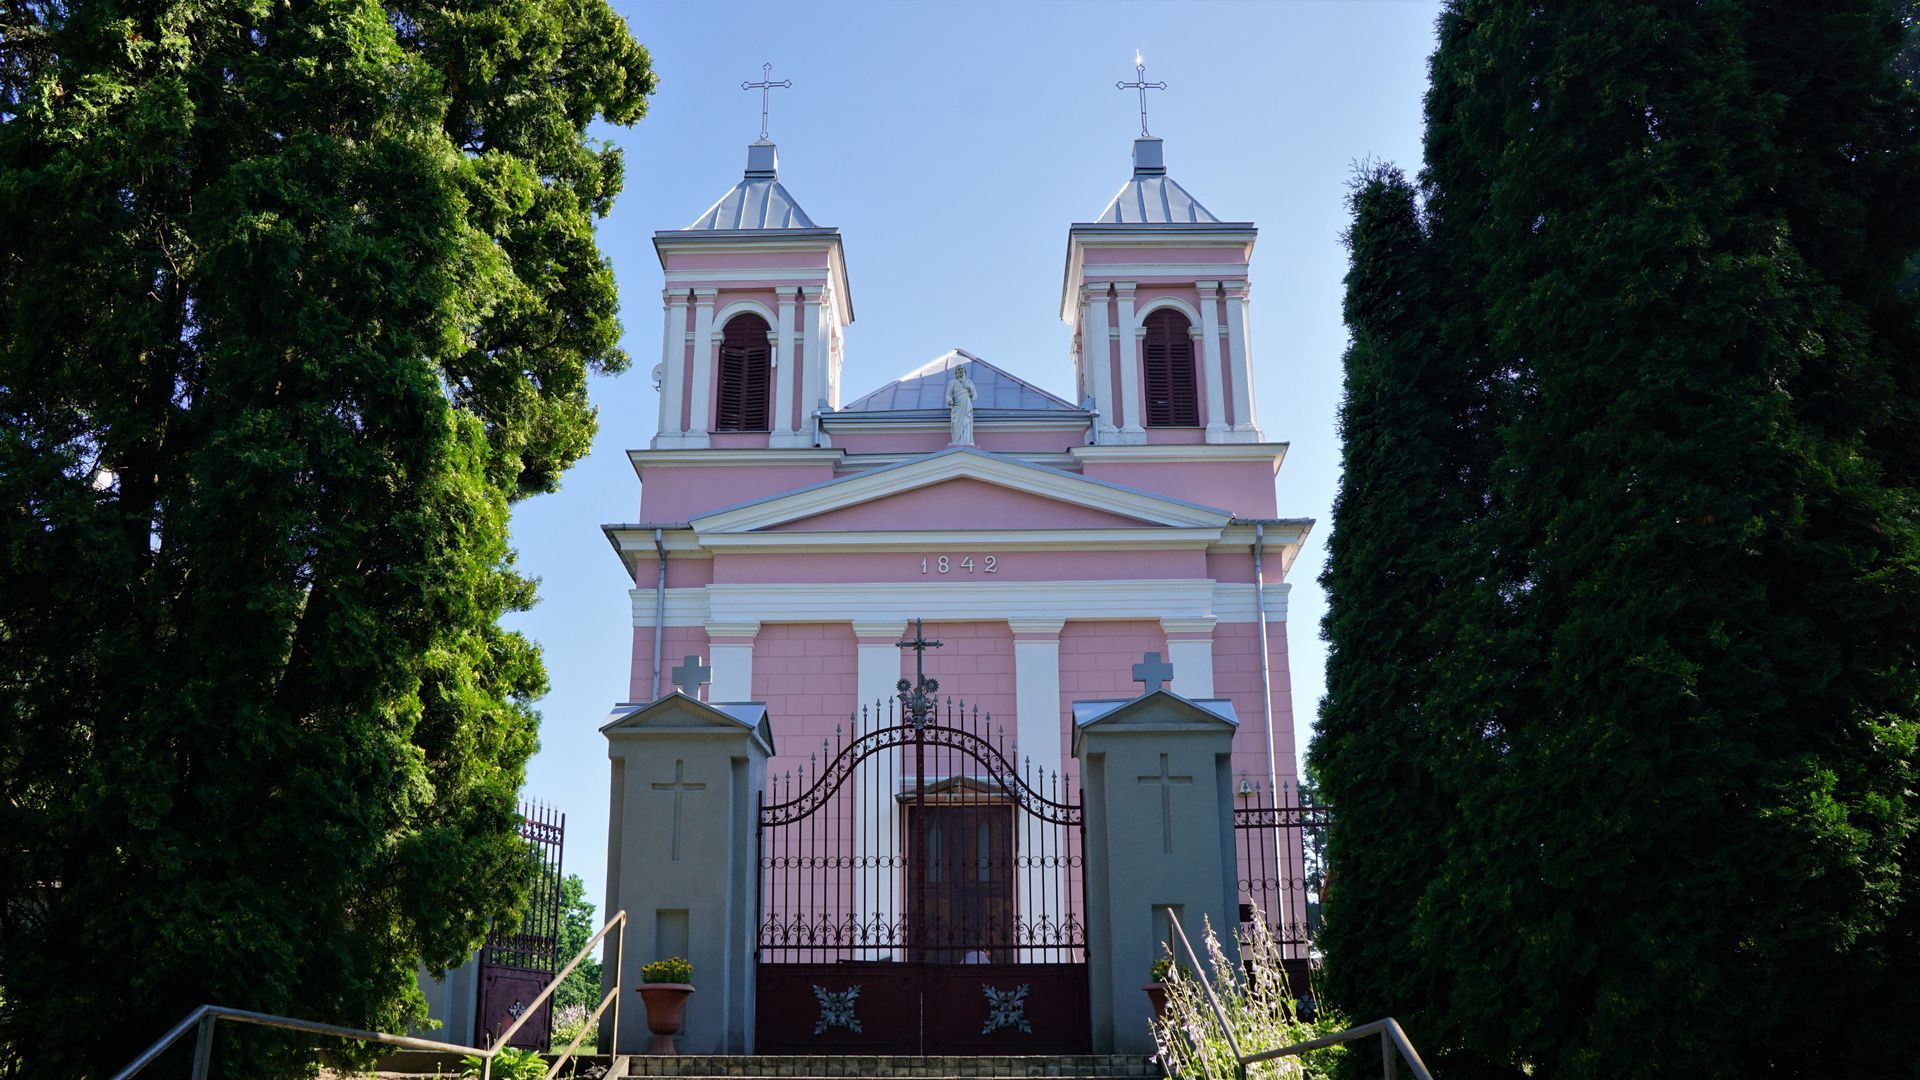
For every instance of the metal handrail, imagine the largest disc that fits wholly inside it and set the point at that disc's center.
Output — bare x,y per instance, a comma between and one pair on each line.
202,1021
619,955
1394,1044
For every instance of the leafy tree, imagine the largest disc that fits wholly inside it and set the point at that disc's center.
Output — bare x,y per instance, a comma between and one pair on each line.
576,928
295,300
1681,698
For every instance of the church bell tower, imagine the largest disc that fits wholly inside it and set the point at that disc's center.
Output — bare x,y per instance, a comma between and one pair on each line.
1156,291
756,306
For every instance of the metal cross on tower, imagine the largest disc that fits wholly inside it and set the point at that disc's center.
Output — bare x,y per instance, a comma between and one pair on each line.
1141,84
766,87
917,697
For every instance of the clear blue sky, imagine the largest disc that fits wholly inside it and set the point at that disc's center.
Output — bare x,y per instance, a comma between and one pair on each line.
952,144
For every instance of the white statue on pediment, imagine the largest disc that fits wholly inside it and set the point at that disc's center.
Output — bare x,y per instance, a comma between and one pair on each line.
960,395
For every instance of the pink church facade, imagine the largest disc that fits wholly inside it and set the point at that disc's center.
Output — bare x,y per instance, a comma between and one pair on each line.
788,533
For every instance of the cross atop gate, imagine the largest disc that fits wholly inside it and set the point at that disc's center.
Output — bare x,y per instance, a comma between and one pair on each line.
916,697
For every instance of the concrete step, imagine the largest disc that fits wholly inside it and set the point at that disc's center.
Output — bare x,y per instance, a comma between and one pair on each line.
414,1064
1062,1066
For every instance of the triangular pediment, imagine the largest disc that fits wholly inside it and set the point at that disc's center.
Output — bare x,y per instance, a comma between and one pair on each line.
680,714
962,503
1052,498
1158,712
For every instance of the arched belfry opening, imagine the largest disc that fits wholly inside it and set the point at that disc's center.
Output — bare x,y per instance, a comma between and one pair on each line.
1172,391
746,375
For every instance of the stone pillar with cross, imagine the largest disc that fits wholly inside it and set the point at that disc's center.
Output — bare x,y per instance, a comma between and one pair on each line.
680,853
1157,783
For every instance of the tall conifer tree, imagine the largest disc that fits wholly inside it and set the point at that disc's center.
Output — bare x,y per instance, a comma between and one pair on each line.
1684,740
1402,509
295,300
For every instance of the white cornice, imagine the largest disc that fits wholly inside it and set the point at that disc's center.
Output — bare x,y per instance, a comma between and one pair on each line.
857,488
1185,601
827,240
1286,538
705,458
1121,539
790,278
1080,237
1165,452
857,423
1142,273
860,462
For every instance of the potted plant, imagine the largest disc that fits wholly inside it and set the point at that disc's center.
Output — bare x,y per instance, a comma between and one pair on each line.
1158,975
664,986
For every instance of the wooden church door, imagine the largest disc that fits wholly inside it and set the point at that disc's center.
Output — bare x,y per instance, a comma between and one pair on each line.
968,889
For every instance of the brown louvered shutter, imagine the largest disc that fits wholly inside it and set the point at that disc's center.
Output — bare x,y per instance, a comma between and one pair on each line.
746,376
1173,398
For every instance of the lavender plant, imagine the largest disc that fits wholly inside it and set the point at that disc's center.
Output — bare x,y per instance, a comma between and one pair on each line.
1260,1008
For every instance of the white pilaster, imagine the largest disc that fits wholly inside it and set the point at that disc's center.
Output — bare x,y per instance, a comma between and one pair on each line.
1191,655
1036,689
877,780
1096,352
784,370
730,654
700,370
1239,355
1134,429
673,361
1210,360
813,323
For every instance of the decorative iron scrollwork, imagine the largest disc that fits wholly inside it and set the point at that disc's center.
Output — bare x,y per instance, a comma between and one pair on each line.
836,1009
1006,1009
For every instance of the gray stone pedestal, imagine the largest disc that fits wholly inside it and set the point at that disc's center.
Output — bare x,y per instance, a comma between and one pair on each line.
1157,779
681,861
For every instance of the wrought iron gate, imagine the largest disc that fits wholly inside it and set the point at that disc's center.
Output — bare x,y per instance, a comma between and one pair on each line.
515,967
920,892
1281,843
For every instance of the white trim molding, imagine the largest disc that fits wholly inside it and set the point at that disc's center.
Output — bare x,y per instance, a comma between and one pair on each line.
1140,314
725,314
726,610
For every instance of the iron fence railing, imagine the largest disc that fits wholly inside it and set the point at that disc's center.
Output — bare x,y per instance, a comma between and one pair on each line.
202,1020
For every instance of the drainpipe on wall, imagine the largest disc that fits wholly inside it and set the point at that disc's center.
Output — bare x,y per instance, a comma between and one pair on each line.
1266,669
660,611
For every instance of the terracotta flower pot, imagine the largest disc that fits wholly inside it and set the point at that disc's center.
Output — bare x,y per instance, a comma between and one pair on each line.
666,1013
1157,993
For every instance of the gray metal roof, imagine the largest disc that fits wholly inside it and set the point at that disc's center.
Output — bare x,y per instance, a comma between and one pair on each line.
925,389
758,201
1155,200
1151,197
1086,712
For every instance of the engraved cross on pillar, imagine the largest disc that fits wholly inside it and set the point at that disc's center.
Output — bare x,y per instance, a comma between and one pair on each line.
691,675
681,785
1152,672
1166,782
